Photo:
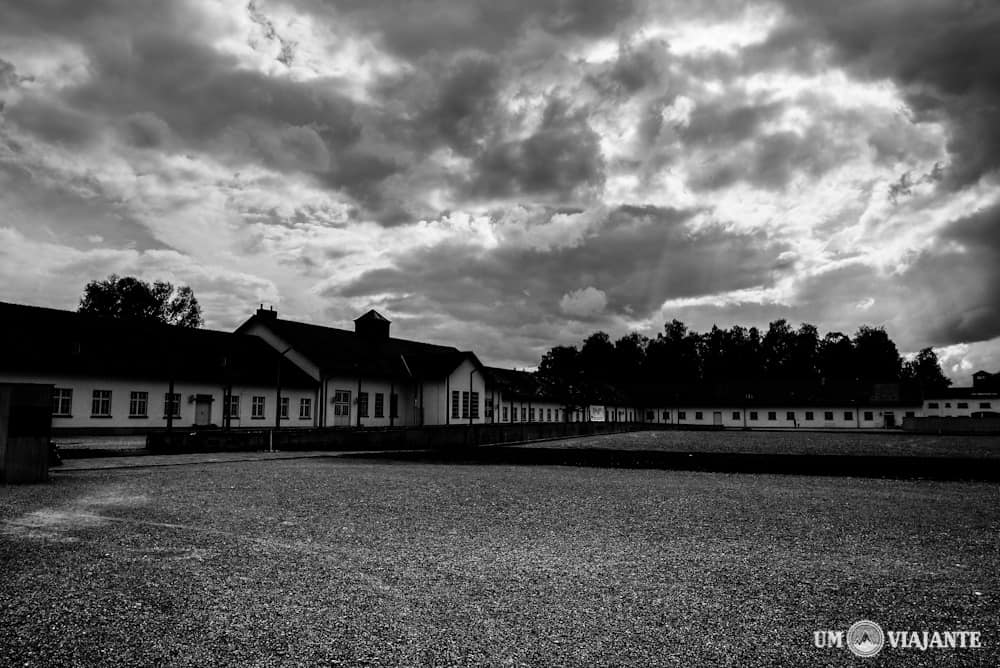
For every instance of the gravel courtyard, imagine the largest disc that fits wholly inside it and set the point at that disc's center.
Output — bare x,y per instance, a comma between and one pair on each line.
340,562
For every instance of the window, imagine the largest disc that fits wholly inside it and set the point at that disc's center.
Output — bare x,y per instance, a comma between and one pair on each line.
100,405
474,409
524,414
556,413
736,415
984,404
869,415
504,413
963,404
283,410
698,415
172,405
379,405
233,409
394,405
342,403
848,415
772,415
681,415
465,404
809,416
666,416
454,404
489,407
257,407
932,404
362,404
649,416
305,408
548,414
138,404
753,415
62,401
790,416
827,415
947,404
910,414
531,414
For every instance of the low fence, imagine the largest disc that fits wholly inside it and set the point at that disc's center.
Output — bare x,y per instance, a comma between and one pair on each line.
952,425
400,438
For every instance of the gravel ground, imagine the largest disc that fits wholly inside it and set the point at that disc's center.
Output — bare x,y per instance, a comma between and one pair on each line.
330,562
790,442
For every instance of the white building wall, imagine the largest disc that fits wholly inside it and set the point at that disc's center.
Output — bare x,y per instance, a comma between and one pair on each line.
438,396
121,389
776,417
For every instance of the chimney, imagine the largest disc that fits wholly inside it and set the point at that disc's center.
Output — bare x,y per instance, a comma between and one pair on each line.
267,314
372,326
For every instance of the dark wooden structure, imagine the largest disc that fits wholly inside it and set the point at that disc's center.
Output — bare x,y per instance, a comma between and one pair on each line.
25,428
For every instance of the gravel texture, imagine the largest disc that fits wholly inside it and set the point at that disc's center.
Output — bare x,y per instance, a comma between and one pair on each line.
332,562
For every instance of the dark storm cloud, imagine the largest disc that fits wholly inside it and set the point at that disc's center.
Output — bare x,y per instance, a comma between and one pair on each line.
772,160
944,55
641,257
413,29
946,295
725,124
54,121
464,103
973,312
560,157
200,92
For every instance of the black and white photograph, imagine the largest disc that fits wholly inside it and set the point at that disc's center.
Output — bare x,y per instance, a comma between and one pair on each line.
499,333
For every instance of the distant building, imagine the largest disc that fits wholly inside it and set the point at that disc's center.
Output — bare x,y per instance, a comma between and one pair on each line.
115,376
366,378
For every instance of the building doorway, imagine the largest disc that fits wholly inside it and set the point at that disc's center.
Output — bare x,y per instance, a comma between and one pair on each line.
203,409
341,408
889,419
717,418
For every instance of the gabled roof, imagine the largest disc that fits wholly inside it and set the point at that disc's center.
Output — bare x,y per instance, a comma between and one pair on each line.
341,351
36,340
372,315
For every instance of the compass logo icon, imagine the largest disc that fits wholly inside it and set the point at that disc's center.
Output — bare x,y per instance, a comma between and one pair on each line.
865,638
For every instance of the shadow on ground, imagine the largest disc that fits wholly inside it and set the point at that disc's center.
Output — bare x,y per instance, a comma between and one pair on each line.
864,466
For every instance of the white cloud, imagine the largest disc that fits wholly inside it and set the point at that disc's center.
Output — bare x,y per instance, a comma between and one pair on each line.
583,303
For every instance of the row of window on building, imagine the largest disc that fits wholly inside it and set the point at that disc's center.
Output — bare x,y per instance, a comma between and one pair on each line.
959,404
138,405
772,416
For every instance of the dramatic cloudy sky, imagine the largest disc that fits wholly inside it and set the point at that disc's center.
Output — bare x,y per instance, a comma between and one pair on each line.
508,175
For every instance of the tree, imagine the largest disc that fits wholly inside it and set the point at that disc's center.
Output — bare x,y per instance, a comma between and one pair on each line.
777,350
630,357
561,363
597,357
876,356
925,371
836,360
804,358
129,298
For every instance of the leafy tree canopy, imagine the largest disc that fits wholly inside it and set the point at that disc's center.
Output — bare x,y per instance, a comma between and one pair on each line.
129,298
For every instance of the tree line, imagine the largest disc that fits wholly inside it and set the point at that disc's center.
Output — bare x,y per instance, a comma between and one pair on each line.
680,356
